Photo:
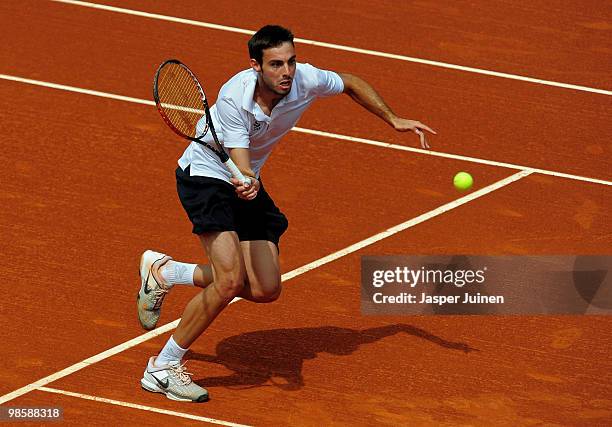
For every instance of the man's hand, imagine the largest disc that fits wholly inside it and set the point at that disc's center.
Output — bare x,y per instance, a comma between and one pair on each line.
405,125
242,159
246,192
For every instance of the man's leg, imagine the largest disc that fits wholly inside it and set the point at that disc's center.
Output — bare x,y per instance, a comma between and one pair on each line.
225,255
164,373
263,282
233,262
262,268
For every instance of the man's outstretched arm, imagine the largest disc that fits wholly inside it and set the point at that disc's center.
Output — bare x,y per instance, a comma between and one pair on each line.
365,95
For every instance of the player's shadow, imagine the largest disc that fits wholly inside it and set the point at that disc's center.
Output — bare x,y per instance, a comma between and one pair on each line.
275,357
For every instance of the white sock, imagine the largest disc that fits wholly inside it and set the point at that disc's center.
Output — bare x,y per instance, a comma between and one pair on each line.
178,273
170,354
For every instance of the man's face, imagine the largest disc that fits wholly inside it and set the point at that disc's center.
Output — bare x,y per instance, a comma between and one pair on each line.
277,68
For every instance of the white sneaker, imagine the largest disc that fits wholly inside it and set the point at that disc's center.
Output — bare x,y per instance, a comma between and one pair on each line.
173,381
152,292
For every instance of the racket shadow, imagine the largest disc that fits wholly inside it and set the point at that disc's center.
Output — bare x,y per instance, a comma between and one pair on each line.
274,358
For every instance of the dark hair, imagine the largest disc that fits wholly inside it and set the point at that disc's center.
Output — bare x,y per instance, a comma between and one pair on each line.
267,37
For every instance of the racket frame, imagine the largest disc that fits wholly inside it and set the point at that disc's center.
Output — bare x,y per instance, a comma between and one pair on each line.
218,149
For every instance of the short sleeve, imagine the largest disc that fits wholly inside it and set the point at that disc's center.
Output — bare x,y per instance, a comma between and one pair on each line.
327,83
233,129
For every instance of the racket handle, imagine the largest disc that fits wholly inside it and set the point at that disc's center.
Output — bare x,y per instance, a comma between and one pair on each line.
236,172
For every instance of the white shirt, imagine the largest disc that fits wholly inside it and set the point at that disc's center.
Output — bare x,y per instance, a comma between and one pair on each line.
240,122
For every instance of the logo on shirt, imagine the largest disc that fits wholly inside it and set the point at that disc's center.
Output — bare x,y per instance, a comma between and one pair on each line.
257,126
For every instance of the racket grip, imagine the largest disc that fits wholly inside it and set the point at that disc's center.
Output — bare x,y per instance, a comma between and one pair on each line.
236,172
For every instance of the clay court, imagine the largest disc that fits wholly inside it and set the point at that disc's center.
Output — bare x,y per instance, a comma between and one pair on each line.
520,96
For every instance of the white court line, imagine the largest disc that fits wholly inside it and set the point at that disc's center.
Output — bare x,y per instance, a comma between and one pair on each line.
89,361
337,47
77,90
408,224
325,134
285,277
142,407
449,155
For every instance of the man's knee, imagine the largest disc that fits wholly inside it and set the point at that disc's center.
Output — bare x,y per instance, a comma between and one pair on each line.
267,294
229,286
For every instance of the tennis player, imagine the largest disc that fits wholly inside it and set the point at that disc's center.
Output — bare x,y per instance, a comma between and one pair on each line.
238,224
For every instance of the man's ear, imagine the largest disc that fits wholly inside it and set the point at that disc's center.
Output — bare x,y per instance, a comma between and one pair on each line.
255,65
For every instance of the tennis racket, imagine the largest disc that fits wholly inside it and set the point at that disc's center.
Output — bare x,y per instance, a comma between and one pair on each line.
181,101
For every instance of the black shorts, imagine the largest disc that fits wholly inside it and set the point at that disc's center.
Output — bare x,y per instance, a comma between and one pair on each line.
212,205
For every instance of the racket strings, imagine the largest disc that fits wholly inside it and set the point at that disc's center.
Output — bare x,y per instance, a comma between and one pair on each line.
181,99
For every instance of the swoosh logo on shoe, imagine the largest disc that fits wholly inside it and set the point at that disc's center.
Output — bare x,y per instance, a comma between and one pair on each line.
164,384
147,290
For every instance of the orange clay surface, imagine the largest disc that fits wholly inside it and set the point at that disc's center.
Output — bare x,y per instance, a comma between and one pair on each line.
88,184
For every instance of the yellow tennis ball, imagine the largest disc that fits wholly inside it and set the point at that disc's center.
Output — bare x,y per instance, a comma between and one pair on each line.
463,181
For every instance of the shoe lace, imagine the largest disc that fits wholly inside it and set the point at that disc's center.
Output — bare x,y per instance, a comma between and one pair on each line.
182,374
159,295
